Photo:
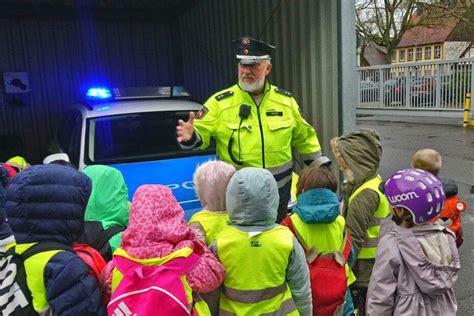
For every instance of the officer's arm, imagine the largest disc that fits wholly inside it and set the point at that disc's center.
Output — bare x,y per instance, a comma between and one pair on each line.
305,139
206,122
297,276
69,288
359,215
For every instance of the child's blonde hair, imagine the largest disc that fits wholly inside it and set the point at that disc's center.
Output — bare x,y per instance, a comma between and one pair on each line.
210,182
427,159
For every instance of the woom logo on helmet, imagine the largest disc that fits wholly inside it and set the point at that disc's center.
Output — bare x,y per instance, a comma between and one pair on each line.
403,197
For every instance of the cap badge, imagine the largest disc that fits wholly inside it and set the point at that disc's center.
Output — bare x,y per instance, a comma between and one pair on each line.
245,41
246,51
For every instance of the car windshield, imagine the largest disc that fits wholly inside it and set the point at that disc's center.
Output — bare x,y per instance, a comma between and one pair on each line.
136,137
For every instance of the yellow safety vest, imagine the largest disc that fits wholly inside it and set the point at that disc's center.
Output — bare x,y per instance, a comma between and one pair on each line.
324,238
266,136
255,281
34,268
199,305
211,222
369,248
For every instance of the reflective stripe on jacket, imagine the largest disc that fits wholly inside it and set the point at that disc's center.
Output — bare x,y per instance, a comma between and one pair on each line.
369,248
324,238
266,136
255,281
211,222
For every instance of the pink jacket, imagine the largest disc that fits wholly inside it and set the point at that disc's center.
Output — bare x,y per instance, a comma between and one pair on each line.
157,228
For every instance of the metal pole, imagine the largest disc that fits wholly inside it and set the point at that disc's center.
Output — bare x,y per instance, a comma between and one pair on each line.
467,109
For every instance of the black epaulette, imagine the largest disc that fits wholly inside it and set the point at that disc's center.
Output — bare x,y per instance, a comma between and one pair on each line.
284,92
224,95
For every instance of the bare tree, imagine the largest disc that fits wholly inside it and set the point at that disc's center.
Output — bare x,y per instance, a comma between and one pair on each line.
384,22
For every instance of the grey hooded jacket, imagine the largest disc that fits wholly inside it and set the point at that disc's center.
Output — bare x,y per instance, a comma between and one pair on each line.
414,272
252,203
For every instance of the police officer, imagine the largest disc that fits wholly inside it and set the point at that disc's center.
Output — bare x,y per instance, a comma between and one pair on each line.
254,123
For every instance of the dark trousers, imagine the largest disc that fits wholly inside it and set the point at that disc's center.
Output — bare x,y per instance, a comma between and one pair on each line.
359,297
285,194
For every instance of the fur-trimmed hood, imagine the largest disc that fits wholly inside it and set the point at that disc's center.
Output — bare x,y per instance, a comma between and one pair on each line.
358,155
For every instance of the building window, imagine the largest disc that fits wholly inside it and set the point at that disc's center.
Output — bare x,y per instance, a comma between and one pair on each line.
394,56
427,53
437,52
401,55
419,53
410,54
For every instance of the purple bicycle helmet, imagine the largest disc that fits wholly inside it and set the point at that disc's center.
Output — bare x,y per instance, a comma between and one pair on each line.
418,191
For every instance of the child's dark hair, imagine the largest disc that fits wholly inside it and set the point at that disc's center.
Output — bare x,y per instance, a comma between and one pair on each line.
316,177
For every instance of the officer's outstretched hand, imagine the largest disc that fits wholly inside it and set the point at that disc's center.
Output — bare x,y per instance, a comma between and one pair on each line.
185,130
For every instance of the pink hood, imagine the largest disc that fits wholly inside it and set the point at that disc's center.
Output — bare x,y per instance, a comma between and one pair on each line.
156,226
156,229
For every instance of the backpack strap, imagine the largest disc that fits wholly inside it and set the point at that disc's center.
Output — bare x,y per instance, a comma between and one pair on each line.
291,227
105,236
346,253
43,246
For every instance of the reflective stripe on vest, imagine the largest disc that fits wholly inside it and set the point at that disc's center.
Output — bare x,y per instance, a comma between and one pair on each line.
211,222
34,268
368,249
329,238
255,281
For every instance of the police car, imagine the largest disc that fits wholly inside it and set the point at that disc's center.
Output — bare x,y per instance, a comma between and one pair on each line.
134,130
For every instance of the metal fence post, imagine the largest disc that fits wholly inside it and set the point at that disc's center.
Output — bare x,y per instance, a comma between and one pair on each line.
437,87
407,87
381,83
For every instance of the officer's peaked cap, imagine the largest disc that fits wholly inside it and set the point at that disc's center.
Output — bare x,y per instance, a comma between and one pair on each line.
250,51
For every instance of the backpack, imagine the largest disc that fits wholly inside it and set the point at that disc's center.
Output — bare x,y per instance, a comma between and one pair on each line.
152,290
98,238
327,273
15,298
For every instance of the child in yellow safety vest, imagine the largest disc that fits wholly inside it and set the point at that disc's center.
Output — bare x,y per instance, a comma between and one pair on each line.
266,270
319,227
211,180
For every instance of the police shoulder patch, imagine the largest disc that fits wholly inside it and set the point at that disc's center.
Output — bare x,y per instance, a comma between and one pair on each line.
284,92
224,95
204,110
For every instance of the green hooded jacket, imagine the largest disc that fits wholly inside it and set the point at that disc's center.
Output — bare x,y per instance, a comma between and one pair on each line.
108,202
358,155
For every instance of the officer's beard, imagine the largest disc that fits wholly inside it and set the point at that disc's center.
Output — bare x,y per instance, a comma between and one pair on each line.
254,88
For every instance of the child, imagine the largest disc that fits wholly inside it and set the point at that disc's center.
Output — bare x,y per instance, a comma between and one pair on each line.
157,234
318,225
430,160
107,210
266,270
358,155
211,180
417,263
46,203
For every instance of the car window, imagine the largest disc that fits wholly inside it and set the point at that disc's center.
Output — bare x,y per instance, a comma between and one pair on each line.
69,135
135,137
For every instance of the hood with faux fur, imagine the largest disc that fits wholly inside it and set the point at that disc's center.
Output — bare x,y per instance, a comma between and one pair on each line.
358,155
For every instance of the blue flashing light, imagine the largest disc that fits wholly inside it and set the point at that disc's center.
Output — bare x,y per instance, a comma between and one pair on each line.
99,93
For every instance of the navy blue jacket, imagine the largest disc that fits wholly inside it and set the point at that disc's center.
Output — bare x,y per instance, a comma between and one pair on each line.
47,202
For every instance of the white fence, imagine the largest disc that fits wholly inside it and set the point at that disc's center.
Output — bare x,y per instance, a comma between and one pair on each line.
440,85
